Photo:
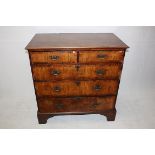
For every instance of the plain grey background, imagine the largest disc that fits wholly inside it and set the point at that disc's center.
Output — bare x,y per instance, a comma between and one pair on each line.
136,98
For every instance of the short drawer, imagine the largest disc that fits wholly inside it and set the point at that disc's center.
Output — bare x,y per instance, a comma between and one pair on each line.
100,56
53,57
76,104
59,72
77,88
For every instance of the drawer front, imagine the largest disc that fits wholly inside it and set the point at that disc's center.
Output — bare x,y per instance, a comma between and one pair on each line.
53,57
100,56
59,72
77,88
77,104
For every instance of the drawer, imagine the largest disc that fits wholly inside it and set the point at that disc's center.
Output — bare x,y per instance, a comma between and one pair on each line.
53,57
77,88
100,56
59,72
77,104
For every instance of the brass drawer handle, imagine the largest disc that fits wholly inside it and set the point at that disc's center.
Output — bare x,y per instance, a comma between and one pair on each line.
100,72
97,87
77,83
59,106
54,57
57,88
77,98
55,72
101,56
95,105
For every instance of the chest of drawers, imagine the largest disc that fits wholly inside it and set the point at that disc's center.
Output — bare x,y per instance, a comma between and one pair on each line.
76,73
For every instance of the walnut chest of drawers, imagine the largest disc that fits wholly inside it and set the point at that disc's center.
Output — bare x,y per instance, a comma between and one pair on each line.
76,73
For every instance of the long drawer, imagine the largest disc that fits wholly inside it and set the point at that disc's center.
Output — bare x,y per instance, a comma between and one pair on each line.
60,72
77,88
76,104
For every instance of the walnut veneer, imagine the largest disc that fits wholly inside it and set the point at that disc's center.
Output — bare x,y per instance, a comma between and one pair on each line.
76,73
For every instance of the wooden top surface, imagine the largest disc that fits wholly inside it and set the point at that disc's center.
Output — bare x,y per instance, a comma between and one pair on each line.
75,41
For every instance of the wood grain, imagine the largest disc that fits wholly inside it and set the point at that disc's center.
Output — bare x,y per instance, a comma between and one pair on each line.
76,73
84,72
75,41
107,56
77,104
77,88
62,57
